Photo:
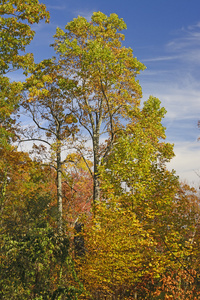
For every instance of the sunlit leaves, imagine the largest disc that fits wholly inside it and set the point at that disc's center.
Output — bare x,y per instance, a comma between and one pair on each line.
35,261
119,250
16,32
47,100
92,54
9,97
142,208
104,74
141,238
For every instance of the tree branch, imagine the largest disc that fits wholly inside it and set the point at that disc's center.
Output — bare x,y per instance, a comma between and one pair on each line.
34,139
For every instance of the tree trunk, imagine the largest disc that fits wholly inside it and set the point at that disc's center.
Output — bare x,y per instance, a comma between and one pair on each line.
96,184
59,187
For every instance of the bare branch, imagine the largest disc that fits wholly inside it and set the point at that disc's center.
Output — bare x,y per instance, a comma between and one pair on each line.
34,139
85,161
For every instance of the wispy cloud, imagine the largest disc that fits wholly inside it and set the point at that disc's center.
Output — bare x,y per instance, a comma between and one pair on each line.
191,56
187,38
43,26
184,46
181,99
161,58
186,162
84,13
194,26
175,81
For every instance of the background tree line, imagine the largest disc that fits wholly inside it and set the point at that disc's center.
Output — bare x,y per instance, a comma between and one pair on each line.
91,212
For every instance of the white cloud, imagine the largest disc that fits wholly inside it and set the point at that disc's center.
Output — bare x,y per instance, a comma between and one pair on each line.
186,162
84,13
185,47
180,96
192,56
161,58
187,38
175,81
194,26
181,104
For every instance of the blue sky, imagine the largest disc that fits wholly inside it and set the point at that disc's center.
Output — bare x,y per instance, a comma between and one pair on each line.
165,36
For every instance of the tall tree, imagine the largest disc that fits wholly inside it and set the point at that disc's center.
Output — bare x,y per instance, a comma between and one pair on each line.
91,53
139,232
122,224
53,122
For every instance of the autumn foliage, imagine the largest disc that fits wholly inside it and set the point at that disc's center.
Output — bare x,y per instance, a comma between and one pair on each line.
91,211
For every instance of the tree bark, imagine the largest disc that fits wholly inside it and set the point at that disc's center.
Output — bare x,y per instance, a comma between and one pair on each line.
59,187
96,184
